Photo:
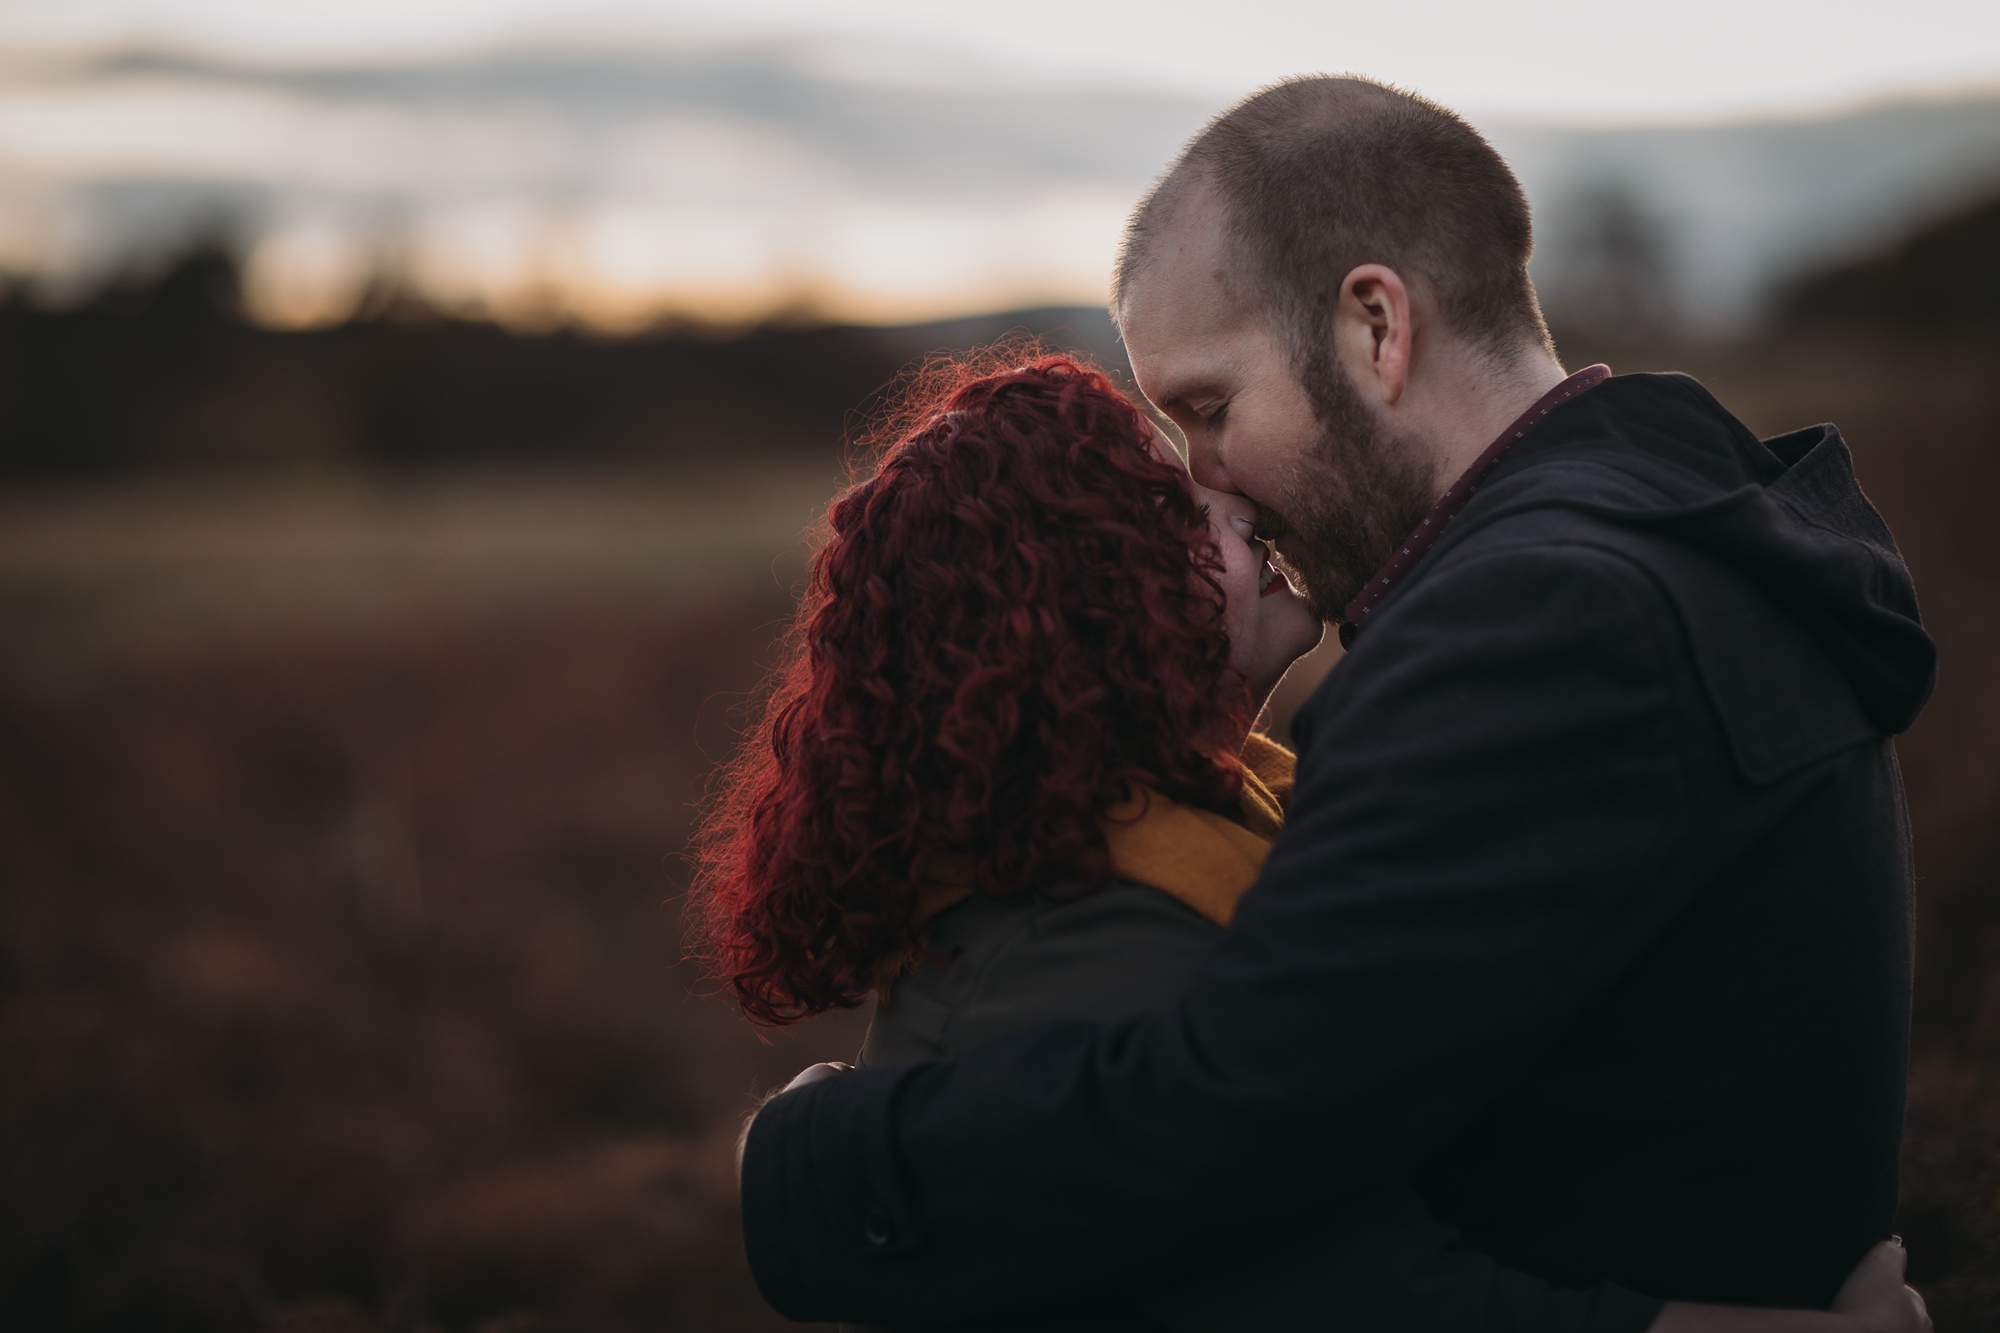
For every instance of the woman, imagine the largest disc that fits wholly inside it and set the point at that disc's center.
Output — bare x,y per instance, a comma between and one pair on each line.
1007,775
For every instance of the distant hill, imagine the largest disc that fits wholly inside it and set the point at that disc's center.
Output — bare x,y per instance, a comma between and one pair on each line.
1945,273
1725,215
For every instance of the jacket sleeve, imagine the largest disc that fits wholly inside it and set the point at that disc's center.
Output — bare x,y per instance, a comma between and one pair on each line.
1474,857
1382,1261
1386,1265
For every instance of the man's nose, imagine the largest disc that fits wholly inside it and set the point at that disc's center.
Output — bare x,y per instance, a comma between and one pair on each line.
1205,464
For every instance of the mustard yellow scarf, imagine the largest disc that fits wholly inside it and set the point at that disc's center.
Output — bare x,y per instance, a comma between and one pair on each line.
1204,859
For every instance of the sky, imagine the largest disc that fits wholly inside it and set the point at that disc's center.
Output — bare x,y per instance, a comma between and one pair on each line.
1580,60
537,162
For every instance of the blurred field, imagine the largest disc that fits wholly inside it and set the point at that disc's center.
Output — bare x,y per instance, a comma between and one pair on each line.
338,819
341,972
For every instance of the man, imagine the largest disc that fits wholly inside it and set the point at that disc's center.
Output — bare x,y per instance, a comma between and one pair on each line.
1593,910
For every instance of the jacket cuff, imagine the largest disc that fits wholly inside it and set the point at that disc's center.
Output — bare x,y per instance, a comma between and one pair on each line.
1617,1309
823,1194
1518,1303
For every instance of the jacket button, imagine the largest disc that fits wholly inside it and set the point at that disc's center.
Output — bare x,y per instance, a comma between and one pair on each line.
878,1228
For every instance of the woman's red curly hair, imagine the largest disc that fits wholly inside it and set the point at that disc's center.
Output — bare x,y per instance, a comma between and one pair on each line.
1009,624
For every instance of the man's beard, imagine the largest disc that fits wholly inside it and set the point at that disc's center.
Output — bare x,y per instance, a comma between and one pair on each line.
1352,498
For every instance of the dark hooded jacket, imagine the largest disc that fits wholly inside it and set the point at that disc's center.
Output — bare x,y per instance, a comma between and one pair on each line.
1592,916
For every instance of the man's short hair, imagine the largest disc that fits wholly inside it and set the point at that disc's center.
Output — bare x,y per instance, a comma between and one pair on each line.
1320,174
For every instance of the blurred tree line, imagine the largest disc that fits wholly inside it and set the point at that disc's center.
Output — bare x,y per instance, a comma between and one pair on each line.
166,371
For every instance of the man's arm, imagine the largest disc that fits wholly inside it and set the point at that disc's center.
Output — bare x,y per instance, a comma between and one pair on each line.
1480,846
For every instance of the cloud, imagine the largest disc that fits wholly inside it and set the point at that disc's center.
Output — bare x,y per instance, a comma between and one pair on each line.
732,179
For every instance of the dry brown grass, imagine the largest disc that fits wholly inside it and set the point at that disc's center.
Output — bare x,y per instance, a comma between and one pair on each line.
342,985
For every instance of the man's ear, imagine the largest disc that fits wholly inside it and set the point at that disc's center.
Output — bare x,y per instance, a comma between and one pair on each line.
1374,332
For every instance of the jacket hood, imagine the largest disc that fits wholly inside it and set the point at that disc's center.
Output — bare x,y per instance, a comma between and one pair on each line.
1787,514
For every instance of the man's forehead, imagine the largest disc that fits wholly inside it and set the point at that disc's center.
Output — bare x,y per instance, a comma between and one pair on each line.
1183,257
1182,303
1183,346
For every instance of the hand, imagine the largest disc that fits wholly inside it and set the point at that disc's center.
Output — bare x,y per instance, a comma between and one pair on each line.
1874,1299
808,1076
819,1073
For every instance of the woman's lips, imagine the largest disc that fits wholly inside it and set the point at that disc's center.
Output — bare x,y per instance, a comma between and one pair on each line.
1277,581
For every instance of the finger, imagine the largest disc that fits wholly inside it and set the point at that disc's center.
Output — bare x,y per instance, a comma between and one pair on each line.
1885,1260
1891,1254
1876,1280
818,1073
808,1076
